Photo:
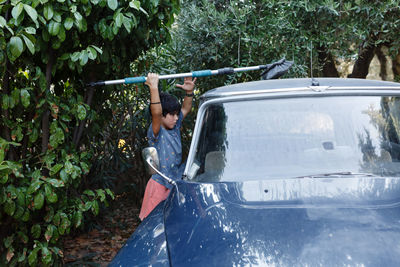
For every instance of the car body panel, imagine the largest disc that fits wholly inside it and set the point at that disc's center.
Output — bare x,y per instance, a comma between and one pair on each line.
293,85
147,246
305,222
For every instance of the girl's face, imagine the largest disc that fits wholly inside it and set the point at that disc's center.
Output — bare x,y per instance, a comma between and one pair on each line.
169,121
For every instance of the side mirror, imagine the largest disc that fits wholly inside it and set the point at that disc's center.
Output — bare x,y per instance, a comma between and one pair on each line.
150,156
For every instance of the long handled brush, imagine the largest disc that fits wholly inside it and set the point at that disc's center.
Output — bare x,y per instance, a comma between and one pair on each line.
271,71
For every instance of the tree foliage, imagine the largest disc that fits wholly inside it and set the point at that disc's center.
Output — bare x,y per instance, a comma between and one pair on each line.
51,121
318,33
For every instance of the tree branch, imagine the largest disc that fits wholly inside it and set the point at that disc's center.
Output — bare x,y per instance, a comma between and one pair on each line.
46,113
361,66
327,62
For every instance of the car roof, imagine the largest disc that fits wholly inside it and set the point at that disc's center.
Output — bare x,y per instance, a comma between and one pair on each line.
287,85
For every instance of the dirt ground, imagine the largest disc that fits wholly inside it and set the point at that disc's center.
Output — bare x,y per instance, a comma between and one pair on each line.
99,246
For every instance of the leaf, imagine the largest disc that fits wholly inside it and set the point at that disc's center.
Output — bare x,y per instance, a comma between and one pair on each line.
34,135
46,255
155,2
49,215
65,224
31,12
56,183
144,12
111,194
68,23
48,11
30,46
16,95
38,201
17,10
54,27
75,56
83,59
89,193
95,207
26,216
19,211
64,176
85,167
21,197
81,112
49,232
35,230
4,176
135,4
57,17
3,22
34,186
92,54
69,168
50,195
56,168
61,35
97,49
16,46
112,4
77,219
8,241
23,237
32,258
118,20
5,104
100,193
30,30
56,219
25,97
87,206
57,137
10,254
22,256
127,24
79,21
57,251
9,207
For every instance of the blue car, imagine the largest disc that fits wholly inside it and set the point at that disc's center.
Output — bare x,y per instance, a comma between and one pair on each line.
290,172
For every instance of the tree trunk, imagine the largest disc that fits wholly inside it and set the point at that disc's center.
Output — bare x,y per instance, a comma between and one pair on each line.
46,112
89,93
360,69
327,62
396,67
383,61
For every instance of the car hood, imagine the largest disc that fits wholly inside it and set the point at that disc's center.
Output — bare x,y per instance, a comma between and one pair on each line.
340,221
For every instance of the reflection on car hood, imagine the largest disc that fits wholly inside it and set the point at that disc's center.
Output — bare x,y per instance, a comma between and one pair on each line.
351,221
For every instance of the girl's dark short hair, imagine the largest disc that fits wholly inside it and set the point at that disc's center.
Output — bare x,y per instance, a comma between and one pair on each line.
169,104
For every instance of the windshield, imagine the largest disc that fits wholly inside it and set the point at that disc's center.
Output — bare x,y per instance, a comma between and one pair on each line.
269,139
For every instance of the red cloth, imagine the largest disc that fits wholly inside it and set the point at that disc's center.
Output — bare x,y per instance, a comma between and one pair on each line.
153,195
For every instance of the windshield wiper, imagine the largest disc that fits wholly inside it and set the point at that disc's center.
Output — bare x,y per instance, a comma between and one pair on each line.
336,174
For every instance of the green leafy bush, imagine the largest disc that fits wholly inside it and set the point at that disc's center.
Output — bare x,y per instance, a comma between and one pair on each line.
52,124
